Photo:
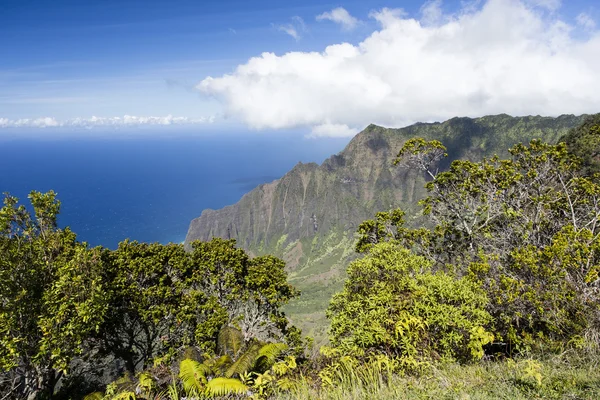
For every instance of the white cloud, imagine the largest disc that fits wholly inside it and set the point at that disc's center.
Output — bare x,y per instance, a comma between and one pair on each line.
88,123
295,28
339,16
44,122
501,56
332,130
431,12
585,21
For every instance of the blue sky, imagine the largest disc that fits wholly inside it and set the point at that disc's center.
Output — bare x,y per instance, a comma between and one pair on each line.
72,58
65,60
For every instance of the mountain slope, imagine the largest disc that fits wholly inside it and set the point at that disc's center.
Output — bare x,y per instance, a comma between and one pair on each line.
308,217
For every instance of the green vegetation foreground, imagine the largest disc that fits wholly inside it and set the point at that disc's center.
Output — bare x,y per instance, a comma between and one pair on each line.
495,295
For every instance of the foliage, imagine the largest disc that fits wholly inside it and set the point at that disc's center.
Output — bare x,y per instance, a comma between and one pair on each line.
384,227
393,304
525,228
151,310
255,370
249,291
51,297
163,299
65,306
584,142
421,154
572,374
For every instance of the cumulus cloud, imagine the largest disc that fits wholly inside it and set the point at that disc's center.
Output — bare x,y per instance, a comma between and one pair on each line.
295,28
93,122
502,56
339,16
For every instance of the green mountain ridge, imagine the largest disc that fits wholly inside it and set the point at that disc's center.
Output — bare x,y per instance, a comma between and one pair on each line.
309,216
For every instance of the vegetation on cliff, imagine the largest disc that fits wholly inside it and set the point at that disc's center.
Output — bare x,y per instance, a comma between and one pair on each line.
309,217
495,295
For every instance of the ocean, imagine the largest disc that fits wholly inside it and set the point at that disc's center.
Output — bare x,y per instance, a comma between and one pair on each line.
149,186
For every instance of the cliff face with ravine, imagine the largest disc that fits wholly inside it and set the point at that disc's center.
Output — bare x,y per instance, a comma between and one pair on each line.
308,217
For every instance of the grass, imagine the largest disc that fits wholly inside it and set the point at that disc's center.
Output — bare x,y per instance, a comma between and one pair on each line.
557,377
571,375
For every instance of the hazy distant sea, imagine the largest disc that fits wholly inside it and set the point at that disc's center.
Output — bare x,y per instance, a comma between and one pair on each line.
149,187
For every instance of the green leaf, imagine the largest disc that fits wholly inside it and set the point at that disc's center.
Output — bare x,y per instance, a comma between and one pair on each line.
193,374
226,386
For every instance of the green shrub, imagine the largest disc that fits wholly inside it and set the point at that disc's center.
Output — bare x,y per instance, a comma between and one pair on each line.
393,304
526,228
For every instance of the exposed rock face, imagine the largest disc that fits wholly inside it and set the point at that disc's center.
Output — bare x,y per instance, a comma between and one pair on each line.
309,215
311,199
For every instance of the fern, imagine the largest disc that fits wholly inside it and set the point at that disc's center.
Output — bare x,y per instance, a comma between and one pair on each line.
268,354
225,386
193,374
230,341
220,364
244,362
272,350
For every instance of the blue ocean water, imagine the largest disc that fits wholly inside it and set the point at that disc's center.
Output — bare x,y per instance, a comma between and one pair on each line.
149,187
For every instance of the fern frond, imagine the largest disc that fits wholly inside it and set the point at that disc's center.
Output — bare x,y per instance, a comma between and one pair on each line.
219,365
272,350
193,374
225,386
230,341
244,362
268,354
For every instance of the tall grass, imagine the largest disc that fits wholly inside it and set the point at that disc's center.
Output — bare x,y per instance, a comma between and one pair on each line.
567,376
570,375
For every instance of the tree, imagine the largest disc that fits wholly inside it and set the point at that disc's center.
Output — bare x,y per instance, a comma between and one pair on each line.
152,312
52,297
141,303
251,291
164,299
502,222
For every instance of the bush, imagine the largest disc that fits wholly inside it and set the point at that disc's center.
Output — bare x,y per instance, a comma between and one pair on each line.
526,228
393,304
